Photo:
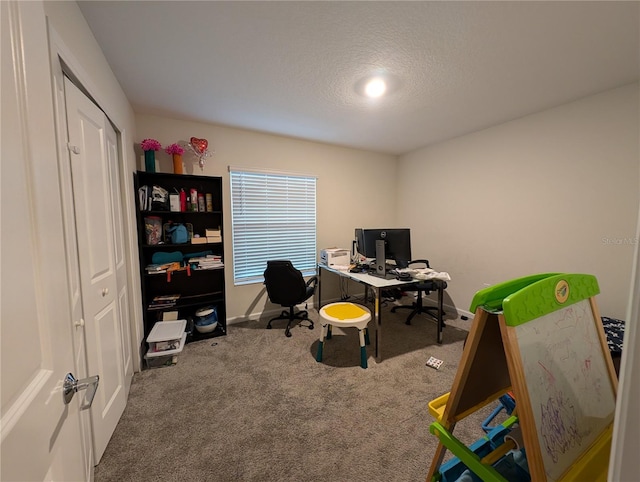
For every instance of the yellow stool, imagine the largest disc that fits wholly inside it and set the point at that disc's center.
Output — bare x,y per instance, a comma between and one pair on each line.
345,315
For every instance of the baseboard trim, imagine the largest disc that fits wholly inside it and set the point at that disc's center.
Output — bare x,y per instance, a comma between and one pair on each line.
267,314
257,316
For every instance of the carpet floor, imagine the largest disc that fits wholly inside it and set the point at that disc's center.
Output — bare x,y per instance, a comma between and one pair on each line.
256,406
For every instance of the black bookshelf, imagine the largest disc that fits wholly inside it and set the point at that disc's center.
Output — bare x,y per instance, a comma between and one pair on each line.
198,288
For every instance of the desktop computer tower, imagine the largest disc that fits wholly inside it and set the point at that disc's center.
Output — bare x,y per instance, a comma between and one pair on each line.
380,259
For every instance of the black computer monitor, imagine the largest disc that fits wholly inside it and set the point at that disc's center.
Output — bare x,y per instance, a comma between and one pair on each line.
397,243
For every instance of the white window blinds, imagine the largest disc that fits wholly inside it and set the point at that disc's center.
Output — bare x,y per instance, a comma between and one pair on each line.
273,216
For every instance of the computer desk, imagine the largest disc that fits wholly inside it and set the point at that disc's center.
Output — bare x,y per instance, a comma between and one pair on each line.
378,284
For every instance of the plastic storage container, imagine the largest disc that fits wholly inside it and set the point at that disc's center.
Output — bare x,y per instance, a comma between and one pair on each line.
166,338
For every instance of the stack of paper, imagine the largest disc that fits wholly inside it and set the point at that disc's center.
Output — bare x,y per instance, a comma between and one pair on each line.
210,261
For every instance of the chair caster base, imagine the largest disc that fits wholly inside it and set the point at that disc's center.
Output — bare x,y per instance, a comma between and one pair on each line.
287,315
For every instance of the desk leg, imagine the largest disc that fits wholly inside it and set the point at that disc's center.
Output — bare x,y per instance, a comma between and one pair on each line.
378,317
440,312
319,302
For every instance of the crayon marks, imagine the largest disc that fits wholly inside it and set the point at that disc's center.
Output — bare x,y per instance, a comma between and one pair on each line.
559,427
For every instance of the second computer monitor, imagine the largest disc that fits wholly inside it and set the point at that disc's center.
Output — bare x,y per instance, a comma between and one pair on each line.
397,243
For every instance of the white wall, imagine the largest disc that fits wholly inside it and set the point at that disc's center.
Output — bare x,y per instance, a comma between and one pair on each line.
91,66
554,191
355,188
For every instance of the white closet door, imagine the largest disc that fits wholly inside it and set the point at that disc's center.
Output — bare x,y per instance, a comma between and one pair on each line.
120,256
99,251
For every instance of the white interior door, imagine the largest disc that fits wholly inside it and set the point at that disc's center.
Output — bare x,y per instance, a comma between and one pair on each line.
40,435
92,144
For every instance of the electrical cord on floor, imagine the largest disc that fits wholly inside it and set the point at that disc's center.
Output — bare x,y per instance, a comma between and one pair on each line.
359,300
344,289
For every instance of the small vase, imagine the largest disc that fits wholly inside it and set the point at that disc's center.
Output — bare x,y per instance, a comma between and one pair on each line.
150,161
177,164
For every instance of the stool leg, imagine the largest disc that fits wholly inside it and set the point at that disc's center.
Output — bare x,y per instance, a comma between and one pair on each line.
323,332
329,332
363,350
366,336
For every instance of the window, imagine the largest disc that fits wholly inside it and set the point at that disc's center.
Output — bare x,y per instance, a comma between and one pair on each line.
273,216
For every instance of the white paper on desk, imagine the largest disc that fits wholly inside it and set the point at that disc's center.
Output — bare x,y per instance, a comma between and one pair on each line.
426,273
340,267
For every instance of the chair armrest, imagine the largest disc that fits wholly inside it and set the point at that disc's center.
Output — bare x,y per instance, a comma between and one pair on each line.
313,280
423,261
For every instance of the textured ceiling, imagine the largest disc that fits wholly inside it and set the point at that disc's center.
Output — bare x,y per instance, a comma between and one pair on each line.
291,68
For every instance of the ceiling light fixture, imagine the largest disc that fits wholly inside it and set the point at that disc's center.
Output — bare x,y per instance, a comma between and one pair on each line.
375,87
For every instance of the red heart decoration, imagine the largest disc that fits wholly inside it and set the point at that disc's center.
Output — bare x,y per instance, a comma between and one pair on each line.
199,145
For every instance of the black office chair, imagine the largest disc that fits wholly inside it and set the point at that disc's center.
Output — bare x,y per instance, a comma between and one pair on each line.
426,287
286,287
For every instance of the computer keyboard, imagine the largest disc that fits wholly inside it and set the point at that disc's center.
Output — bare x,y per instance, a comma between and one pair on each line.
387,275
359,269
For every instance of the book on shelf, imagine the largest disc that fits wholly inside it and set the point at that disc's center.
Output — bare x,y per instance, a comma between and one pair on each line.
163,301
161,306
166,297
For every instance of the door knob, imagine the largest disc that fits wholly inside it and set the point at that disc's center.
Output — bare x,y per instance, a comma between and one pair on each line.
79,323
72,385
105,291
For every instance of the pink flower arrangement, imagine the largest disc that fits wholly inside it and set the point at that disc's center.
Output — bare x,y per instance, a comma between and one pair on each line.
174,149
150,145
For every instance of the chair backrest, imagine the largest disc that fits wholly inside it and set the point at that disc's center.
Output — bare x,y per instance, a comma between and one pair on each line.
285,284
427,285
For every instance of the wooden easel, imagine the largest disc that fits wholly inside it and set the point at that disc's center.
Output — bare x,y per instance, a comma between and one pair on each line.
540,337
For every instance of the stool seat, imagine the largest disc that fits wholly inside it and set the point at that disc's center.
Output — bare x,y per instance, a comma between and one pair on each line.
344,315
